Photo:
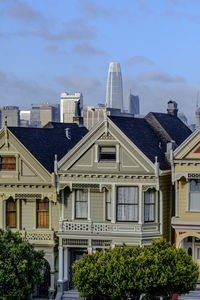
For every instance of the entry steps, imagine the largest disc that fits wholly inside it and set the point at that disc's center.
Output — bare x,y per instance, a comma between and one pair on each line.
71,295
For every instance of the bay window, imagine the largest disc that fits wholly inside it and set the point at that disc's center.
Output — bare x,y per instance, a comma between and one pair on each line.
81,204
127,204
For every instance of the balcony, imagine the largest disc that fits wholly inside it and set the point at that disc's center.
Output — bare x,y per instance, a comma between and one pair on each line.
88,228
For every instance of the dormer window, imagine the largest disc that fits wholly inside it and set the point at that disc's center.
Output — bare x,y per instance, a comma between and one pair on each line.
7,163
107,153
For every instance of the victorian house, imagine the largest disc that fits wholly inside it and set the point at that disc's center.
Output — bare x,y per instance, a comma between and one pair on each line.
28,197
115,187
186,179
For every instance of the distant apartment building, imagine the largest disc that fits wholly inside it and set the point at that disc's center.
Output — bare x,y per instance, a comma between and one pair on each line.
12,115
70,106
92,115
25,118
133,105
41,114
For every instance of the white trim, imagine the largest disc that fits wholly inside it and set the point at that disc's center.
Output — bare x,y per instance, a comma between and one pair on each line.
89,205
185,223
185,142
113,205
73,205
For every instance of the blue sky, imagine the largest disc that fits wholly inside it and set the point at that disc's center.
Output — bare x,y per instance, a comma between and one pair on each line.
51,46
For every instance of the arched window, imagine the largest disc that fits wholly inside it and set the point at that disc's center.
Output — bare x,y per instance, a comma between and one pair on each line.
11,213
43,213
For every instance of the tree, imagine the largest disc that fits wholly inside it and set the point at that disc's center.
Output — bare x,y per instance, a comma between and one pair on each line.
20,266
131,272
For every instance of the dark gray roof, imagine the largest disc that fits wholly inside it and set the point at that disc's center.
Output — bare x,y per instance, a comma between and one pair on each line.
149,137
44,143
175,128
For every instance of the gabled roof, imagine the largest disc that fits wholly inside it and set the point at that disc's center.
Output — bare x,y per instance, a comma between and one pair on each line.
151,134
44,143
176,130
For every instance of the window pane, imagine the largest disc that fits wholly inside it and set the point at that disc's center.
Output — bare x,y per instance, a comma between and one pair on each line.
127,204
81,204
149,201
194,201
81,210
195,185
128,195
7,163
108,204
11,213
43,213
127,213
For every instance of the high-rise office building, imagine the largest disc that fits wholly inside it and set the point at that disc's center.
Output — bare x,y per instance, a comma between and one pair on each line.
114,91
25,118
70,107
133,105
197,115
12,114
41,114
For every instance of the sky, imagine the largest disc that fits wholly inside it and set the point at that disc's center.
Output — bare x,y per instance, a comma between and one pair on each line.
52,46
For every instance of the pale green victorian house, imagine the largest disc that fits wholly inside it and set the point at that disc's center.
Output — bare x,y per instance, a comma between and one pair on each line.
28,197
115,187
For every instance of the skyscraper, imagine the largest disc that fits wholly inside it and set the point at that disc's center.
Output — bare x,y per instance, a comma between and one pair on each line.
114,91
133,105
12,114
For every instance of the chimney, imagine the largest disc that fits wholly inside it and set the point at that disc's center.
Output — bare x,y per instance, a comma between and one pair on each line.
172,108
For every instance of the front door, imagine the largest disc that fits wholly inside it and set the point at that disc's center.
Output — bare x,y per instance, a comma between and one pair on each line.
75,254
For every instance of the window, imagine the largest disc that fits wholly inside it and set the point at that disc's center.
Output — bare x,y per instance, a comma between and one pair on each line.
43,213
107,153
11,213
194,196
149,206
7,163
127,204
108,204
81,204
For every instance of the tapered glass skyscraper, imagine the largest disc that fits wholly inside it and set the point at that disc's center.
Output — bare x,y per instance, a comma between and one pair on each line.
114,91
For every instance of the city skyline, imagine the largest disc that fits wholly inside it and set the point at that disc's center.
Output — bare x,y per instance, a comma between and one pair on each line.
67,46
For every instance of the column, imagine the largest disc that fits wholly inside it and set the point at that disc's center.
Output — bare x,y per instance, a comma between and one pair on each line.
140,205
89,206
113,205
73,205
18,215
66,263
176,198
60,274
161,212
96,158
62,204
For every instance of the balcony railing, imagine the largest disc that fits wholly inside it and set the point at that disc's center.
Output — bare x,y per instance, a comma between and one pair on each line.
106,228
38,237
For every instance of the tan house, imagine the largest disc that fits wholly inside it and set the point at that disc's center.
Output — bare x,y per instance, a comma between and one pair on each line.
115,187
28,198
186,178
